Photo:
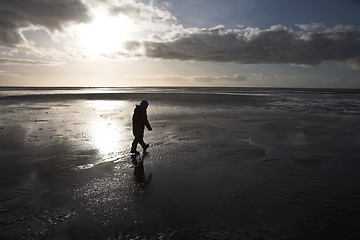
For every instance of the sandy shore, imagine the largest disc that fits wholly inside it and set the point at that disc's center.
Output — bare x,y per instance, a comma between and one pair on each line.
219,167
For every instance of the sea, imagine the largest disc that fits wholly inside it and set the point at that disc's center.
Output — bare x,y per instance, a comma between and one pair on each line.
313,100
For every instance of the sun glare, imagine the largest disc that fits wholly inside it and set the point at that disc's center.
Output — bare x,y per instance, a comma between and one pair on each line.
109,133
105,34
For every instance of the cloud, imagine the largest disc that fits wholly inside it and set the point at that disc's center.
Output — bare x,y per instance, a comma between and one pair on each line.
149,15
232,78
158,35
354,64
10,61
128,9
53,15
311,27
194,80
277,44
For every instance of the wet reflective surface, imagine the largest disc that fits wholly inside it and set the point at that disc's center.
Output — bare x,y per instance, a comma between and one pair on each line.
211,172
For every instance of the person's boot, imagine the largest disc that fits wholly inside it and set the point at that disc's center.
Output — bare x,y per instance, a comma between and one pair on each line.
133,149
135,153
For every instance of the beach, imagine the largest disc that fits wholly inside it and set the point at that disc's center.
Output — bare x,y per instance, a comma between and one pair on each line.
223,163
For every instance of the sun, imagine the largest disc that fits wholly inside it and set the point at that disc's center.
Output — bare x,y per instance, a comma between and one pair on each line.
105,34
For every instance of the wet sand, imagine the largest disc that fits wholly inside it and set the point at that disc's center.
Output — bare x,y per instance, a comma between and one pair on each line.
218,167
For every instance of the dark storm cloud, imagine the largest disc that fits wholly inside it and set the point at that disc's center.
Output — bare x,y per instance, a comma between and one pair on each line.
16,14
274,45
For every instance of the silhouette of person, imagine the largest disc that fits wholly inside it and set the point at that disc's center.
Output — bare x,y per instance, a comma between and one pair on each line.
139,121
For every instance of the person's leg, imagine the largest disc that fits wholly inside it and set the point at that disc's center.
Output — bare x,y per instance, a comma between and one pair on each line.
139,138
134,145
143,144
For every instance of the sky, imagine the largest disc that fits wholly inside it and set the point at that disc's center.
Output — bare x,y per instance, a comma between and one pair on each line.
228,43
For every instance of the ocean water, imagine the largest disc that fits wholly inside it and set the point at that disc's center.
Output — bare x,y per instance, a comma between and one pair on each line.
336,101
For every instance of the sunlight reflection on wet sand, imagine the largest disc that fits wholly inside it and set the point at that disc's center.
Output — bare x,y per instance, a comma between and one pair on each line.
106,133
108,129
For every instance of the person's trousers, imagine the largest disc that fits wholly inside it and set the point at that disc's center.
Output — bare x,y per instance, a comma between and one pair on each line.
138,139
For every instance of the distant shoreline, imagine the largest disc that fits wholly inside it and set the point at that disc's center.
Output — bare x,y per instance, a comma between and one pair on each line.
171,87
193,89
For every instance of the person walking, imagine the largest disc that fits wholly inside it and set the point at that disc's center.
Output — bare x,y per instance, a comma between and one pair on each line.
139,120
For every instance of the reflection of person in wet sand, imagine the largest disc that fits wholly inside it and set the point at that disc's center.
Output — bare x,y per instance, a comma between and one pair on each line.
142,180
140,176
139,121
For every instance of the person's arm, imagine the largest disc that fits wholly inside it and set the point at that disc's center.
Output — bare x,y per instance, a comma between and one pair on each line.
147,124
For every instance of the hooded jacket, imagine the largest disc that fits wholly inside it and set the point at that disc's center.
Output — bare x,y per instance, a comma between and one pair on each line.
139,121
